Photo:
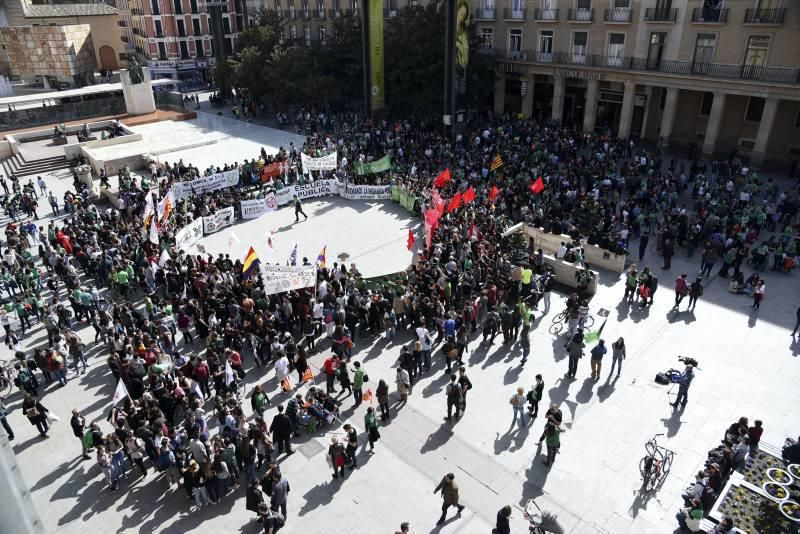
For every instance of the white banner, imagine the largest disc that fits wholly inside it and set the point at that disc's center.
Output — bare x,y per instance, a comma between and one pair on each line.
365,192
278,279
325,163
315,189
189,234
218,221
253,209
205,184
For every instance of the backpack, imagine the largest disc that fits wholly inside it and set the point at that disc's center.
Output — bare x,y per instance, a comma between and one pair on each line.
453,393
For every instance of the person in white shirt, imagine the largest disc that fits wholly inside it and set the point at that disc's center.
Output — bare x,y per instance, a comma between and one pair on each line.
562,251
425,339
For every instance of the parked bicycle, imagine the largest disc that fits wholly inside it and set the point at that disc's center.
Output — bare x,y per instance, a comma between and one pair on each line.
655,466
541,521
561,319
7,375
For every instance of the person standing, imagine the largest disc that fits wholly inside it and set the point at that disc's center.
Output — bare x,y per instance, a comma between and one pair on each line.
517,402
337,456
454,394
553,437
618,354
425,340
449,490
466,385
358,383
259,401
329,366
382,393
695,292
3,414
681,290
684,381
553,416
298,209
759,293
597,358
403,383
668,251
534,396
281,429
280,492
643,245
575,352
797,321
352,445
36,413
525,342
371,426
78,424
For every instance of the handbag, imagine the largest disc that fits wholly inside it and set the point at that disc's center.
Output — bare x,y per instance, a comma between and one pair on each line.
32,412
53,418
366,377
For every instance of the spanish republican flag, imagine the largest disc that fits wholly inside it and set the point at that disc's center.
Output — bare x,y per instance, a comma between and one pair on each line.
251,264
165,206
321,258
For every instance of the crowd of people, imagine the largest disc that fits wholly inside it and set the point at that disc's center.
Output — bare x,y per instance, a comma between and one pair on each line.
186,412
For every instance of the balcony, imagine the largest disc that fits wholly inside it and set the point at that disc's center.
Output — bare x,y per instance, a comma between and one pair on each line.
291,14
486,13
319,14
513,14
306,14
580,15
652,14
764,16
619,15
680,68
545,15
701,15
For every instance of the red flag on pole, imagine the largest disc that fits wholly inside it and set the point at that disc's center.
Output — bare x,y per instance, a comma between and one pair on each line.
438,203
493,193
468,196
443,178
411,239
454,204
537,186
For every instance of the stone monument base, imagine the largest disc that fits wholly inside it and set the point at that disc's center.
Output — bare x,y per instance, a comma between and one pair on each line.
138,97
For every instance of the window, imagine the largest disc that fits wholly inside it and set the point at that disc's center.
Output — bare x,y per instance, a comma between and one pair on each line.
583,4
757,46
178,7
226,25
307,35
154,7
545,51
703,52
228,46
655,51
517,6
622,4
514,41
278,7
198,46
755,108
184,50
487,5
616,49
797,119
193,4
292,32
196,26
181,28
162,51
487,38
705,105
579,47
322,34
159,29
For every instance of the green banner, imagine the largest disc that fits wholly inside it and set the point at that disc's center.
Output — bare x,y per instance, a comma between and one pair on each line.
379,165
377,101
395,193
408,202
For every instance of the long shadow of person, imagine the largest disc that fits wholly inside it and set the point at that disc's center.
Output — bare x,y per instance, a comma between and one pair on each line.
673,422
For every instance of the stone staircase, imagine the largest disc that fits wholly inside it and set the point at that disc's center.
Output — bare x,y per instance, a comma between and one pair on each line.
19,166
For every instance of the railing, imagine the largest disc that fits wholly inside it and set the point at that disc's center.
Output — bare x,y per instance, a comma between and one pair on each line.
652,14
544,15
319,14
486,13
682,68
708,15
764,16
618,14
514,14
580,15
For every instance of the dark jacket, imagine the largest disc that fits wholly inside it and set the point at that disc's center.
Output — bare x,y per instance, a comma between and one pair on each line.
281,426
78,424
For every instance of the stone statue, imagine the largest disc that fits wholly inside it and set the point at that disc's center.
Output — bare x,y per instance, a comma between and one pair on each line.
135,71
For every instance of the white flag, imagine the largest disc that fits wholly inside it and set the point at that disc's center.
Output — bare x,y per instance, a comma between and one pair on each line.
293,255
149,209
228,373
164,258
153,232
271,241
196,389
233,240
120,393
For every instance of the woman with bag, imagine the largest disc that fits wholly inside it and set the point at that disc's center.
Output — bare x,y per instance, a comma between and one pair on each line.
135,447
104,461
337,457
36,413
371,425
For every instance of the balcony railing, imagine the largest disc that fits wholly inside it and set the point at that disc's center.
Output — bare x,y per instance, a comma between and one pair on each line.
618,14
319,14
485,13
680,68
653,14
545,15
580,15
513,14
764,16
705,15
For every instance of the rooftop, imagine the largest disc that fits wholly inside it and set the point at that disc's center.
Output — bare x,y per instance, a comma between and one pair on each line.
67,10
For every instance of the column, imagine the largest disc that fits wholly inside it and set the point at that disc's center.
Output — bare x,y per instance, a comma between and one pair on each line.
626,115
559,84
590,106
499,95
668,116
764,129
714,122
527,98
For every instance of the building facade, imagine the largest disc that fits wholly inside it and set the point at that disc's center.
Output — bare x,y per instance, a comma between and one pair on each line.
723,74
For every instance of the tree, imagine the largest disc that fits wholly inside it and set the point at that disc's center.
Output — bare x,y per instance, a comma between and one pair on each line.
341,61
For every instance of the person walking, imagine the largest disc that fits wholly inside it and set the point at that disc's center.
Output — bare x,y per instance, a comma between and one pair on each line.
449,490
759,293
352,445
553,416
454,394
575,352
597,358
695,292
134,447
517,402
281,429
681,290
36,413
259,401
298,209
382,393
684,381
280,492
371,426
4,422
466,385
337,457
403,383
618,354
643,241
534,396
668,250
78,424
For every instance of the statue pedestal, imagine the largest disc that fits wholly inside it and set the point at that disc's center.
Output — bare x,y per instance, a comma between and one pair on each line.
138,97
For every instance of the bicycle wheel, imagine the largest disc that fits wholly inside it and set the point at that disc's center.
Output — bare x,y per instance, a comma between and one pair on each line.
589,322
652,480
560,317
644,468
5,386
556,328
666,463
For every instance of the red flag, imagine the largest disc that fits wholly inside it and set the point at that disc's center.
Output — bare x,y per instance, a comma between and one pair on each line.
411,239
454,204
537,186
443,178
493,193
438,203
468,196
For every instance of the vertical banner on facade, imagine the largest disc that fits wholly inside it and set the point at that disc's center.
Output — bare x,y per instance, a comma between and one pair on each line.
377,96
461,36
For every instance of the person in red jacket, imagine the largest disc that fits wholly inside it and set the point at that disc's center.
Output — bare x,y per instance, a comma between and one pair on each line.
329,366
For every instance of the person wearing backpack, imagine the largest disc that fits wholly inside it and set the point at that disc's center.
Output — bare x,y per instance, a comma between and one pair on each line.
517,402
25,380
273,521
454,395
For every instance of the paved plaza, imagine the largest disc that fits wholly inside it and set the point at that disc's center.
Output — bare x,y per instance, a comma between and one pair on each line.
748,363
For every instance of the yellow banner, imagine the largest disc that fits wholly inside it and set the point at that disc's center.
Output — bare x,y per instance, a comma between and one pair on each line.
377,101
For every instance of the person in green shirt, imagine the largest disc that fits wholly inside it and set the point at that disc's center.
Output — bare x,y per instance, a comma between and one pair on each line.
358,382
371,426
553,442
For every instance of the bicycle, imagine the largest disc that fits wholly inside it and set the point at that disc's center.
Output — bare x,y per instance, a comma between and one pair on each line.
655,466
7,376
541,521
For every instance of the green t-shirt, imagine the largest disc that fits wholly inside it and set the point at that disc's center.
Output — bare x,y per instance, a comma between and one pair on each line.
526,276
122,278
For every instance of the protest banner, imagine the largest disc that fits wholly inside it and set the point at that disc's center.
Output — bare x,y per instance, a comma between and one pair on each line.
273,170
218,220
205,184
325,163
379,165
365,192
189,234
278,278
252,209
314,189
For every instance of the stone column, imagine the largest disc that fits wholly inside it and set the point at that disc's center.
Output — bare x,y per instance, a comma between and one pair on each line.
590,106
668,117
626,115
714,122
559,84
499,94
527,99
764,129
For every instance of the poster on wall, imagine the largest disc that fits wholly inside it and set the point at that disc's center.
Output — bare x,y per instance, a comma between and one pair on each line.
189,234
377,95
218,221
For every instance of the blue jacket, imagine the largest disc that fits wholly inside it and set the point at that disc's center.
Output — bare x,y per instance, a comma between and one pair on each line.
598,351
685,379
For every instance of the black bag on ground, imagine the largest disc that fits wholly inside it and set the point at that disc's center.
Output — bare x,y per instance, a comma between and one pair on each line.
663,379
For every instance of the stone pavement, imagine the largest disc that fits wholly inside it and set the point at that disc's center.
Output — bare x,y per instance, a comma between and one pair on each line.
748,366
